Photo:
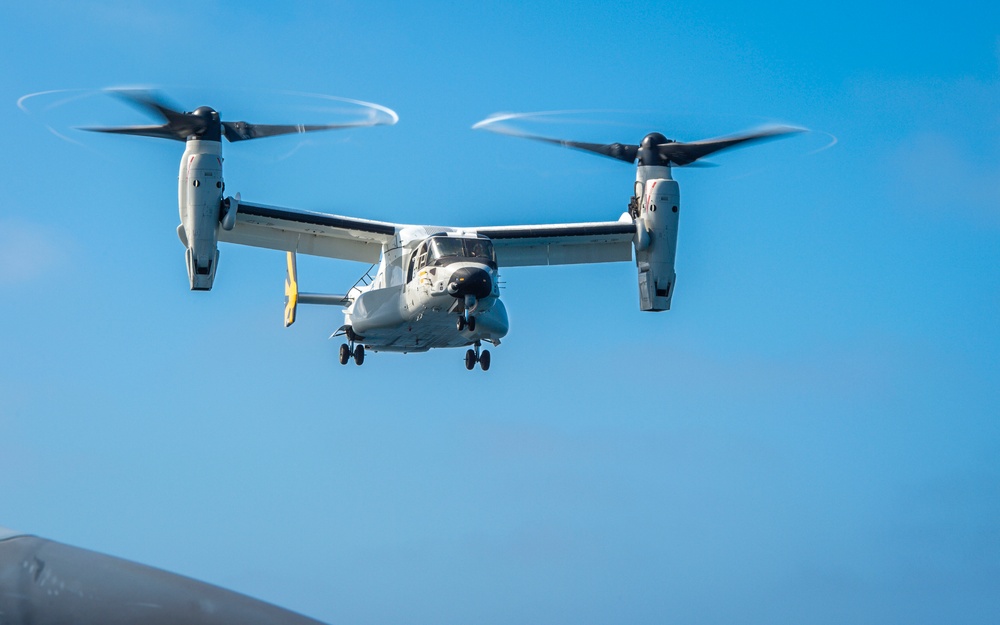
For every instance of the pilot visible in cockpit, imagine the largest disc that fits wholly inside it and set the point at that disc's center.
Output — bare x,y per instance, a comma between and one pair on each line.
478,249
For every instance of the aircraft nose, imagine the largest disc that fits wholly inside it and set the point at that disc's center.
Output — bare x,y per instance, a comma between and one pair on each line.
473,281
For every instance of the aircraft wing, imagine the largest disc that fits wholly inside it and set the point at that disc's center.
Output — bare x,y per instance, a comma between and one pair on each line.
562,244
318,234
351,238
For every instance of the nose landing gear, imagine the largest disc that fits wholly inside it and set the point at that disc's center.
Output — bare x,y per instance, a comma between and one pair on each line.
465,318
473,356
466,321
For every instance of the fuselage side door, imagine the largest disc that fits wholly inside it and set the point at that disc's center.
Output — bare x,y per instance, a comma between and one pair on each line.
418,281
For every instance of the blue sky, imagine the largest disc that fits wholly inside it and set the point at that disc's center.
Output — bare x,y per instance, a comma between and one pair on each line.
810,435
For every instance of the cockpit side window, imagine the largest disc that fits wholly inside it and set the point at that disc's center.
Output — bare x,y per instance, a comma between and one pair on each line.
481,248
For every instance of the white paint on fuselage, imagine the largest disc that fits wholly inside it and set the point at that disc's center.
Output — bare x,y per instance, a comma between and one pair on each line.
414,313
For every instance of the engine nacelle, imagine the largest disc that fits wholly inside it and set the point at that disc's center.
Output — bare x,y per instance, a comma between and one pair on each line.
199,195
658,213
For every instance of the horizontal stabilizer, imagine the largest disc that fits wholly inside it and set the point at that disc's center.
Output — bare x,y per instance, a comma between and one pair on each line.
324,299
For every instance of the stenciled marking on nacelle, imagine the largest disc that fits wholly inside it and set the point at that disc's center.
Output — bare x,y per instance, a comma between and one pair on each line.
649,194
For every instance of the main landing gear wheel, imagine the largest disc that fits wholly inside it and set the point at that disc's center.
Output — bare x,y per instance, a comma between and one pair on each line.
473,356
347,352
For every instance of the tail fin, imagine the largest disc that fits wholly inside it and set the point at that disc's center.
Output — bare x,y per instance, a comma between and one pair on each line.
293,298
291,290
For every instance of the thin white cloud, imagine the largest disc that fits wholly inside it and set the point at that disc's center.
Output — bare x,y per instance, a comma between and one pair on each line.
940,150
935,173
149,18
28,251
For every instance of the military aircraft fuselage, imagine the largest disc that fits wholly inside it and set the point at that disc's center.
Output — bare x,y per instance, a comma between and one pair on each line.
431,291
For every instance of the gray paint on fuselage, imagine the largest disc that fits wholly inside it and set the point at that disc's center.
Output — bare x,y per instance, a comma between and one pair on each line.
48,583
413,316
436,328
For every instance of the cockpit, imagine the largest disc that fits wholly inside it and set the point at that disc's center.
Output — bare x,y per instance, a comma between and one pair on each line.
441,250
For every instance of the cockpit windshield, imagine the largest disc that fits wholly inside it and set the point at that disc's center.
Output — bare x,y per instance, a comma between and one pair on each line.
443,248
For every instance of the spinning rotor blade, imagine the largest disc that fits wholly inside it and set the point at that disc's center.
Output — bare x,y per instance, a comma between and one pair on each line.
622,152
204,123
656,149
680,154
159,132
148,101
179,125
241,131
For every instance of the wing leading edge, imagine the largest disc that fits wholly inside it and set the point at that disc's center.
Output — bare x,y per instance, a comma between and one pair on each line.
562,244
317,234
350,238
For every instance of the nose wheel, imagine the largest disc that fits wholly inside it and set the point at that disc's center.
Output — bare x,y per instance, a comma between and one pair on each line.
466,321
473,356
465,318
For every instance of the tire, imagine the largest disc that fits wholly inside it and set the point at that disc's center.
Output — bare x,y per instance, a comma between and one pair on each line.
359,355
470,360
461,323
345,354
472,323
484,360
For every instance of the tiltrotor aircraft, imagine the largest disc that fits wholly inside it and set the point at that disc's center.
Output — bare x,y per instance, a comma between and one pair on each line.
433,286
